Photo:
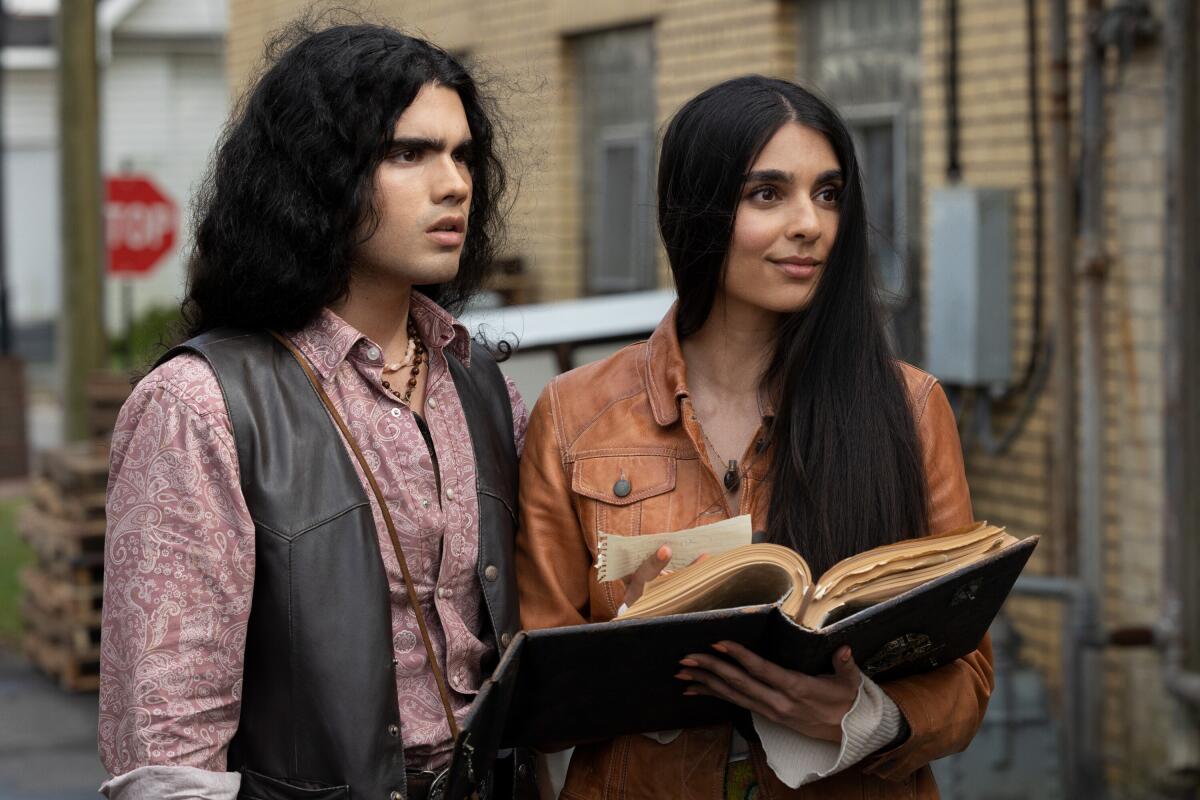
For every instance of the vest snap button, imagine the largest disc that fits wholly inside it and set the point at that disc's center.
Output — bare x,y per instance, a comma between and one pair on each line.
395,796
622,488
491,572
393,730
505,639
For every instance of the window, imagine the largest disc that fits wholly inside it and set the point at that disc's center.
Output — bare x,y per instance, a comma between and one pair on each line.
616,91
864,55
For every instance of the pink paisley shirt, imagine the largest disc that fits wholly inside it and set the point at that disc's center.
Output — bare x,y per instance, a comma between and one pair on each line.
179,561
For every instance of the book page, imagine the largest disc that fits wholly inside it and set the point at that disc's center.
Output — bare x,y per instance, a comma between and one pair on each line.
618,556
891,570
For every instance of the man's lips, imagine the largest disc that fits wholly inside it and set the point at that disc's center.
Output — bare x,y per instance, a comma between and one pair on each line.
448,231
446,238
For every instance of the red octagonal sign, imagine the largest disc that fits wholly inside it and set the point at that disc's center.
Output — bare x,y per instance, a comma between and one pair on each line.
140,224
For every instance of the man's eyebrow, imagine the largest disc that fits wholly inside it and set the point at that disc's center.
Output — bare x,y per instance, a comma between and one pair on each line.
830,176
425,143
416,143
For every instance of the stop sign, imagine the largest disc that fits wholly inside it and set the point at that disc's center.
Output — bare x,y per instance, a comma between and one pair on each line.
140,224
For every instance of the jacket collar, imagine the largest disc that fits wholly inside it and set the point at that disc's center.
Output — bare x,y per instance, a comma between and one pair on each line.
666,373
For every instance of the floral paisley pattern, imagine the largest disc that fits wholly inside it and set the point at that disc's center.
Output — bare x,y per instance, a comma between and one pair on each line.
179,552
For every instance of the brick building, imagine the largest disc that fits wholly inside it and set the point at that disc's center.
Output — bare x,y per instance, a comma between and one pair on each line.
586,87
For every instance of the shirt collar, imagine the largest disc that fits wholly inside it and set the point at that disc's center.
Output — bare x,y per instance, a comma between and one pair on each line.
666,373
329,340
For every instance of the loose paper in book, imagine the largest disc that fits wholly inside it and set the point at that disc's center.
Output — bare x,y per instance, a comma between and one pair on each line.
618,556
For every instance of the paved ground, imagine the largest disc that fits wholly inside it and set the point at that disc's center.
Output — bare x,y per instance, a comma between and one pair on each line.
47,737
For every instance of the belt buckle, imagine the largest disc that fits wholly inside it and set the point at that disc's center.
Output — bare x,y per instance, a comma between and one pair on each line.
437,789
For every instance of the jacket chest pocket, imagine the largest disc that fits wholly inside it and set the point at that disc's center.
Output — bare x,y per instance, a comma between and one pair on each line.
626,495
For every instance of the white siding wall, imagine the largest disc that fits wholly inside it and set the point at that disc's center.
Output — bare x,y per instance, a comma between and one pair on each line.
31,236
158,17
30,107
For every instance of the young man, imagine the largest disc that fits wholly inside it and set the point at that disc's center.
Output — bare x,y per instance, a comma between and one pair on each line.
262,637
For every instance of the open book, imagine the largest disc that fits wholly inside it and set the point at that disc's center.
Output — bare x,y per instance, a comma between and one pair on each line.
751,574
903,609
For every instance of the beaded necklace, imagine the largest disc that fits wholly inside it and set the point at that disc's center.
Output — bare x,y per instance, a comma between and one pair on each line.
416,354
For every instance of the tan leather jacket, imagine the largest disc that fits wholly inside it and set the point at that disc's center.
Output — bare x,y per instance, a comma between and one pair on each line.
629,416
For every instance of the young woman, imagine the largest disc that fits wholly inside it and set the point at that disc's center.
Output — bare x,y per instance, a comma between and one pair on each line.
770,390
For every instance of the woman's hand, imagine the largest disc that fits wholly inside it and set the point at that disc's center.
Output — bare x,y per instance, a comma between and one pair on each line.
648,570
810,705
651,568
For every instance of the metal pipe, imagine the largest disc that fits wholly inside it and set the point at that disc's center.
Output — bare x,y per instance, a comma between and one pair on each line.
1181,351
1063,477
1092,270
953,165
1079,630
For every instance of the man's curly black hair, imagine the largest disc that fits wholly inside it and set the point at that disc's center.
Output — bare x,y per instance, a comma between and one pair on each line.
289,193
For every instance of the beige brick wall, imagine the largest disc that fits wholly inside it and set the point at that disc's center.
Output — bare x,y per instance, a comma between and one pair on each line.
995,151
527,45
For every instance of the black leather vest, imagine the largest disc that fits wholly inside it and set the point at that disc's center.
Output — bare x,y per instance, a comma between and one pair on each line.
319,713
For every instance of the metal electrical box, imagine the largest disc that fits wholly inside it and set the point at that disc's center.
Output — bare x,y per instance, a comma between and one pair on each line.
970,284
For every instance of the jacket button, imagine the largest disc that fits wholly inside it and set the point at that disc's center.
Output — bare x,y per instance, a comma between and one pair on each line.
622,488
505,639
523,771
491,572
396,796
393,730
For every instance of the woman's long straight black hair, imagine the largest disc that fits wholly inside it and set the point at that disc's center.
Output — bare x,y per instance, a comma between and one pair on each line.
846,469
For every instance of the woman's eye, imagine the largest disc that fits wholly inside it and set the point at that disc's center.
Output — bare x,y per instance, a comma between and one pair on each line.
829,194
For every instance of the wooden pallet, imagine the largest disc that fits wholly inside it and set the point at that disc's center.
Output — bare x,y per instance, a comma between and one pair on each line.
75,672
62,630
77,469
71,550
63,590
63,598
73,637
78,506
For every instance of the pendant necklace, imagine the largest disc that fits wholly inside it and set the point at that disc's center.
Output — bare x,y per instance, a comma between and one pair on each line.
733,478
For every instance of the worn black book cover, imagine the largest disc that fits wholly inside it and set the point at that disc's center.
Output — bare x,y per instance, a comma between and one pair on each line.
562,686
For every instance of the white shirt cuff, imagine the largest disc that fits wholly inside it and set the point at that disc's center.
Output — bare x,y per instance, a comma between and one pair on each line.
872,722
172,783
